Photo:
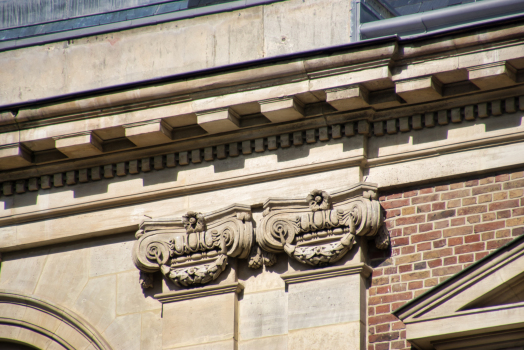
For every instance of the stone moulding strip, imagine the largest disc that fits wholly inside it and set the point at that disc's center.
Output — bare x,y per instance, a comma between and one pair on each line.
171,297
66,316
312,275
379,128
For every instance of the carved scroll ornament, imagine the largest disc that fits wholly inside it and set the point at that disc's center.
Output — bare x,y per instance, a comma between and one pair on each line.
194,249
316,232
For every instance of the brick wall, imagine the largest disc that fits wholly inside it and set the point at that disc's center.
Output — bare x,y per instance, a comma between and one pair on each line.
436,231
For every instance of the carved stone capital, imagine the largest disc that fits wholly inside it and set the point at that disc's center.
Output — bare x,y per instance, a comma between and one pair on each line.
193,249
321,228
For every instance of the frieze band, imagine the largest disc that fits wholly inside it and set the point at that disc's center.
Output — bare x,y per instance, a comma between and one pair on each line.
317,230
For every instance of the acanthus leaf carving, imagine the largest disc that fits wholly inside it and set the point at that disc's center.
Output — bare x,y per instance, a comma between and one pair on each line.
312,232
194,249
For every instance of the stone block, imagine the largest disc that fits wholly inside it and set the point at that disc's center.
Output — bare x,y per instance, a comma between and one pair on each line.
111,256
419,90
21,271
344,336
97,301
131,298
79,145
207,319
218,120
282,109
124,332
151,334
152,132
324,302
269,343
492,76
348,97
14,156
263,314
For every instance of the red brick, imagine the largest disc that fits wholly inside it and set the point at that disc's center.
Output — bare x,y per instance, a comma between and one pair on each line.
409,230
395,204
438,206
515,221
465,258
425,199
415,285
382,337
453,241
450,260
398,304
405,268
518,231
458,231
400,287
382,346
380,281
435,263
469,201
394,196
423,246
468,248
497,243
439,243
517,212
454,203
377,272
424,208
399,241
512,203
382,328
472,238
456,185
473,219
475,209
389,298
486,189
495,225
430,282
438,253
500,196
441,215
456,194
488,235
390,270
382,309
458,221
425,227
410,220
441,188
395,232
517,175
408,250
392,213
488,217
429,236
426,190
410,193
448,270
502,178
441,224
503,233
514,184
485,198
371,311
471,183
480,255
487,180
398,325
414,276
503,214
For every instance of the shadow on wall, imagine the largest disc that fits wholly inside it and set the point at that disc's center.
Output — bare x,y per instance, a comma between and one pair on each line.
14,346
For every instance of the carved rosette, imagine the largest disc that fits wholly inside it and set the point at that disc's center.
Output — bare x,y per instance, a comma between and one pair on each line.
193,250
322,228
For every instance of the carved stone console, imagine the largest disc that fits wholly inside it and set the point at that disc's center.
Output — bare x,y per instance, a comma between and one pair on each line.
320,229
194,249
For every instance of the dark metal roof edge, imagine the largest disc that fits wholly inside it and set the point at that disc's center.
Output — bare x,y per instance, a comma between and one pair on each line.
212,70
431,21
129,24
458,275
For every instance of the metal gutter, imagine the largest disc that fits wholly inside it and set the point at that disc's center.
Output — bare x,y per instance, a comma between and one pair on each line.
444,19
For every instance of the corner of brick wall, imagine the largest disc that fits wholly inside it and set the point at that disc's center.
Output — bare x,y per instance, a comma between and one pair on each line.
437,231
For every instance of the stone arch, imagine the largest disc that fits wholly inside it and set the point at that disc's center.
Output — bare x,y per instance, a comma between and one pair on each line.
32,321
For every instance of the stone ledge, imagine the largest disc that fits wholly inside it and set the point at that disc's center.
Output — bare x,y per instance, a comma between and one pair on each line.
312,275
170,297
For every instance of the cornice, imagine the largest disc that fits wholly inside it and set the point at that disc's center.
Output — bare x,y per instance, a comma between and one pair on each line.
201,292
312,275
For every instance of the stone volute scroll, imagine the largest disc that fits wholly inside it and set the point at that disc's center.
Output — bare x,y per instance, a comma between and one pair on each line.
321,228
193,249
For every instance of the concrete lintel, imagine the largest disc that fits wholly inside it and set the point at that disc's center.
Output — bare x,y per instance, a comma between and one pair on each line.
418,90
153,132
346,98
79,145
218,120
282,109
14,156
493,75
170,297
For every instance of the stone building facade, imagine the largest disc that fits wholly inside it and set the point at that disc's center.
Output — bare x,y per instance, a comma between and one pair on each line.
263,175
